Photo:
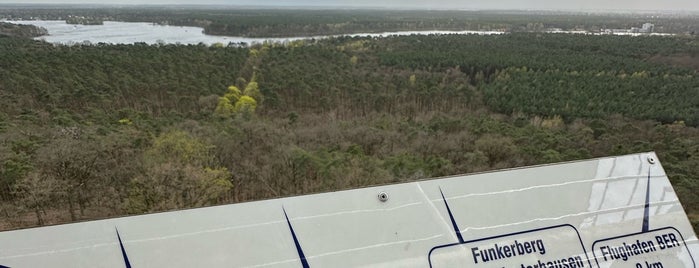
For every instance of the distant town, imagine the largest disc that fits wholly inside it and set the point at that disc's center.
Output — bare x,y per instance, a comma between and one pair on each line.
645,29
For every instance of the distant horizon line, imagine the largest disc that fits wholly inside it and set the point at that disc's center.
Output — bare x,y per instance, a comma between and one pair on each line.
346,7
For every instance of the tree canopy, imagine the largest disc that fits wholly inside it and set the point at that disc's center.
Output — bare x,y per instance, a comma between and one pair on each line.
94,131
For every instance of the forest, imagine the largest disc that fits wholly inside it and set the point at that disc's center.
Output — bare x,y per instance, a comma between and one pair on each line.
16,30
97,131
285,23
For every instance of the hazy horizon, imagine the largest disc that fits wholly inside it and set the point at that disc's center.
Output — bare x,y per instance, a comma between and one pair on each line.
552,5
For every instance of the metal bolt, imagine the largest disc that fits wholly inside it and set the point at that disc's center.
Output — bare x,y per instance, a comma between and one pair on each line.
651,160
383,196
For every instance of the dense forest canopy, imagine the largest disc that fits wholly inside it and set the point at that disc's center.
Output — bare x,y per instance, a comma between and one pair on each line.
93,131
16,30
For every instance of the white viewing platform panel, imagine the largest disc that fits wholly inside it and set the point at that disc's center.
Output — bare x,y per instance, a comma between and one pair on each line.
616,212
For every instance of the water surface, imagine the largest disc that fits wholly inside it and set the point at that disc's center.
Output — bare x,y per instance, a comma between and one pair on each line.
115,32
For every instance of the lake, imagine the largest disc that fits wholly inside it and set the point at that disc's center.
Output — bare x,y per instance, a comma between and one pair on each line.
133,32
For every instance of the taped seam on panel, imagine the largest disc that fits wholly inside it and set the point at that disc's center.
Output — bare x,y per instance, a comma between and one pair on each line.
453,221
302,256
646,209
123,251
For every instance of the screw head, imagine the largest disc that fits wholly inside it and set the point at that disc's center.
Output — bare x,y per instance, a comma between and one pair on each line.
651,160
383,196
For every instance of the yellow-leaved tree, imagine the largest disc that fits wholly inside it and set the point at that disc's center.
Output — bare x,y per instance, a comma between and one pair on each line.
245,106
253,90
236,103
225,107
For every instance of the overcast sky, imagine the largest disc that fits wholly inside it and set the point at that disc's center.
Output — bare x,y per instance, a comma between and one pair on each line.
683,5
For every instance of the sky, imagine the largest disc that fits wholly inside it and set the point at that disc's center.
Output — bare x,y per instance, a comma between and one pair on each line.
631,5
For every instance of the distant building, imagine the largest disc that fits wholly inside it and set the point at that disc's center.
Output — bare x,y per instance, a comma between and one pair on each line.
645,29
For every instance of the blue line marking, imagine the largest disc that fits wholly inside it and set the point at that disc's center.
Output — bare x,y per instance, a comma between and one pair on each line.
451,216
302,256
646,209
123,251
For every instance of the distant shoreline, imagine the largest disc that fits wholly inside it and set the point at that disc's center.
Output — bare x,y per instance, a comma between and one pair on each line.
349,7
21,30
215,38
62,35
300,23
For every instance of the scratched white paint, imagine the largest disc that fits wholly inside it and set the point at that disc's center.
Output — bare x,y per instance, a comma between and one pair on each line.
572,211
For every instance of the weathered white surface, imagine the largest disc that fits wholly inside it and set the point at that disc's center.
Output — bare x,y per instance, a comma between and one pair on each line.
572,212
